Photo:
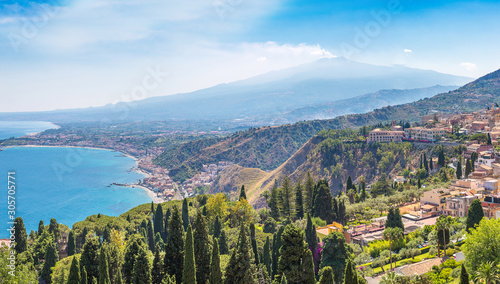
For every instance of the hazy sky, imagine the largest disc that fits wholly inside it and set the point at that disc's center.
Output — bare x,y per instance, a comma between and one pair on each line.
67,54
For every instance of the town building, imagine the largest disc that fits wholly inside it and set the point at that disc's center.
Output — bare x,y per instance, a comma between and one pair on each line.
379,135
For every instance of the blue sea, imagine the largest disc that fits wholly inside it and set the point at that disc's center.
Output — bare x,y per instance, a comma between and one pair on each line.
67,183
20,128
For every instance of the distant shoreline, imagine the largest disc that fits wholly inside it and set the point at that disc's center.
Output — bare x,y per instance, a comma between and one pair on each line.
136,169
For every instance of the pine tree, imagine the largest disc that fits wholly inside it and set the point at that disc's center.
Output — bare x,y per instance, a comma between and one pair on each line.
103,268
274,203
292,254
90,258
185,214
215,272
323,203
142,269
84,275
223,248
286,190
464,276
326,276
308,192
243,193
74,272
202,248
299,206
174,248
240,269
189,269
459,170
474,215
335,253
217,227
158,222
51,258
20,235
41,228
157,273
266,255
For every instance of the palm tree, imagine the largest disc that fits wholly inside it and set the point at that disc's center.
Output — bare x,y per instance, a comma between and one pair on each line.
444,223
392,234
487,273
389,278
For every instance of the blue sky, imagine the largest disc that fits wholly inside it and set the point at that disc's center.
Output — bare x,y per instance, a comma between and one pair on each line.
72,53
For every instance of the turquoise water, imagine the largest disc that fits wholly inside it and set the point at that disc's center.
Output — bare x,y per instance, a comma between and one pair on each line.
68,184
19,128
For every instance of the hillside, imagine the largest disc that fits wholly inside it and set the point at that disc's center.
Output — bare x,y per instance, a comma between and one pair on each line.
267,148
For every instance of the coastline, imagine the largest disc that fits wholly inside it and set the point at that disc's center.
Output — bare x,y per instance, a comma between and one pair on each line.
150,192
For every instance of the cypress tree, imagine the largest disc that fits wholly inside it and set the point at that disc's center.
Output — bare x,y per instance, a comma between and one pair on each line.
215,272
174,248
185,214
84,275
51,258
217,227
464,276
292,254
90,258
299,206
131,253
363,190
309,191
459,169
20,235
489,139
158,222
426,166
128,218
142,269
223,248
474,215
308,268
71,243
468,168
118,278
159,241
103,268
157,273
326,275
189,270
74,272
283,279
274,204
276,250
312,240
202,248
165,227
254,243
152,208
419,183
350,275
239,269
323,203
431,167
266,255
349,184
54,229
151,236
41,228
335,253
243,193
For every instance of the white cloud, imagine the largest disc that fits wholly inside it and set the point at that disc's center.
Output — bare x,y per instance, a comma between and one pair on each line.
469,66
408,50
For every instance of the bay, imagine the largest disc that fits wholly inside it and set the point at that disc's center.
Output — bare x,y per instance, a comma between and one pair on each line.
67,183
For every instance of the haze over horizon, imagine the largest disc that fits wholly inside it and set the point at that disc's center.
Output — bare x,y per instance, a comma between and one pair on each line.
75,54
